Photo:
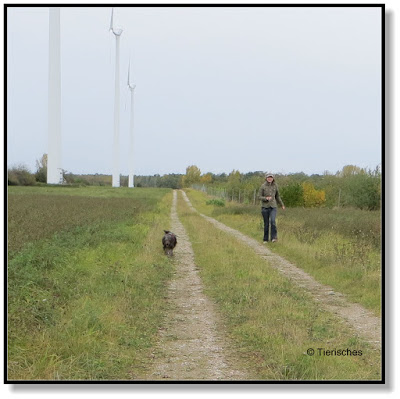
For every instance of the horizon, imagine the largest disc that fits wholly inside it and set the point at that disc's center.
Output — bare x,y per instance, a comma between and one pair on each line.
326,172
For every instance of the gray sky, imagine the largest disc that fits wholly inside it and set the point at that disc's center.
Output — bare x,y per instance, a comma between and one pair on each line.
278,89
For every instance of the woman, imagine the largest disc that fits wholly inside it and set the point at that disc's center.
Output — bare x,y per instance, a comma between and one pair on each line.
269,197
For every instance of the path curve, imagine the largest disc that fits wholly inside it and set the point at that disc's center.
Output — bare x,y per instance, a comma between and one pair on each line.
362,320
193,344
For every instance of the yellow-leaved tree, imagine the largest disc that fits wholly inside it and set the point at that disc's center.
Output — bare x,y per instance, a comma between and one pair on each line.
312,197
206,178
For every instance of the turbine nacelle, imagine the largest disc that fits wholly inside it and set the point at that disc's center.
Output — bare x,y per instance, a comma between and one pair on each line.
129,80
116,31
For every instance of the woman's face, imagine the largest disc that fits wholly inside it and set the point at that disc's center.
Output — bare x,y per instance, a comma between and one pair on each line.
270,179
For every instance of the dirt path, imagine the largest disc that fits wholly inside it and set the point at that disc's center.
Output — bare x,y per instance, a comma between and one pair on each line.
193,345
363,321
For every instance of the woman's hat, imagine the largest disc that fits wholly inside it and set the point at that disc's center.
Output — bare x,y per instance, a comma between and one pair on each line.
269,175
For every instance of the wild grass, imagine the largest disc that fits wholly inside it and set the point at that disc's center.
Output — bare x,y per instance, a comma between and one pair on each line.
39,212
338,247
216,201
86,303
271,321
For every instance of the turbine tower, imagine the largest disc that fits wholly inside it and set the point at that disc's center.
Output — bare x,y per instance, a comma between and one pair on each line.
131,182
54,171
115,174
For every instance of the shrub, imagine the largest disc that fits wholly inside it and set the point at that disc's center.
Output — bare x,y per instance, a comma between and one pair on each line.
292,195
312,197
362,191
217,202
20,176
41,169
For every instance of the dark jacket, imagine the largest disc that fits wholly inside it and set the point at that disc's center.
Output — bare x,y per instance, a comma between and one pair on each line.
269,190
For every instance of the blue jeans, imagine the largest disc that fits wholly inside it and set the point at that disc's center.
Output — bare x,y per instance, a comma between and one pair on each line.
269,215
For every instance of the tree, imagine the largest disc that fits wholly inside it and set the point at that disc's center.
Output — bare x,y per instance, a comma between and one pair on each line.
312,197
234,178
206,178
171,180
292,195
350,170
362,191
41,169
192,176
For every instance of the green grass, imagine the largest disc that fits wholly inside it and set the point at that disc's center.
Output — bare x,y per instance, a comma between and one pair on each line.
271,321
35,213
86,301
87,283
340,248
88,191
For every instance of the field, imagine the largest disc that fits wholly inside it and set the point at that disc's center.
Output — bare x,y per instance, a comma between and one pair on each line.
272,321
340,248
86,279
87,283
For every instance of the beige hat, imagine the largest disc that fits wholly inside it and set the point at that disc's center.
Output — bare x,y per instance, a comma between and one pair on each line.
269,175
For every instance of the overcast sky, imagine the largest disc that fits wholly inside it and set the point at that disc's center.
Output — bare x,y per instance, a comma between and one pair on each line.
281,89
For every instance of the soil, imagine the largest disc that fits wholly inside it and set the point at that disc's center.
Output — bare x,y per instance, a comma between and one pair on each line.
364,323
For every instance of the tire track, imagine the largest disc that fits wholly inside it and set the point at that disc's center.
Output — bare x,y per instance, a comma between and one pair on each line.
193,345
363,321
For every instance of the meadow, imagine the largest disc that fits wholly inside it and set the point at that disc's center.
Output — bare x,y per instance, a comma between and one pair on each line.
272,321
338,247
86,281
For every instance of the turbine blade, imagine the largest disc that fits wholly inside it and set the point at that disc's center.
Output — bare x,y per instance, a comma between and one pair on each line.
112,19
129,68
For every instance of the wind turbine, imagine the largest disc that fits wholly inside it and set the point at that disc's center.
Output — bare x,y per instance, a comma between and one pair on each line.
115,175
54,171
131,182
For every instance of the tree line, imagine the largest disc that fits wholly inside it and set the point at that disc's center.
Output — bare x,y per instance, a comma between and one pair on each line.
351,186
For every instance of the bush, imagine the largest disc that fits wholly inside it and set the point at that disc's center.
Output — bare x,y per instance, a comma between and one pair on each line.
363,191
292,195
20,176
41,175
41,169
312,197
217,202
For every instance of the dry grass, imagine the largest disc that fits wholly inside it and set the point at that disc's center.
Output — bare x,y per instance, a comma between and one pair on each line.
340,248
272,321
35,213
86,303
